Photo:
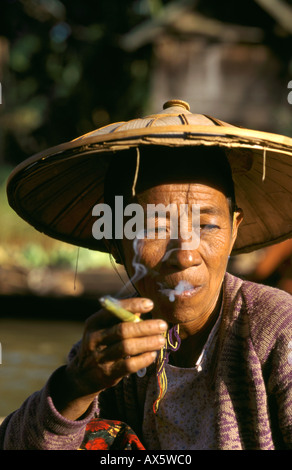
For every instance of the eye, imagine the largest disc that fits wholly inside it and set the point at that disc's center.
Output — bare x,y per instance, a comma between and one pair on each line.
156,229
209,227
161,232
157,232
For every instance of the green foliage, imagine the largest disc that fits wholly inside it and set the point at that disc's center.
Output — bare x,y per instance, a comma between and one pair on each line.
63,75
21,245
66,73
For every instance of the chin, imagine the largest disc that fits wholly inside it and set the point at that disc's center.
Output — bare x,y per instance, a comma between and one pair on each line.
182,309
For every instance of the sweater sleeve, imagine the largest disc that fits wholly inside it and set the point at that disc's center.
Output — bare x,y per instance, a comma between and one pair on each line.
37,425
280,386
272,336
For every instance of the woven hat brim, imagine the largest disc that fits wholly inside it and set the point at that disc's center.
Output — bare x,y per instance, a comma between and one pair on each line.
56,190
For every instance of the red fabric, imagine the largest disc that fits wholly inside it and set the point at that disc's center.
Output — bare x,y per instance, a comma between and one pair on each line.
103,434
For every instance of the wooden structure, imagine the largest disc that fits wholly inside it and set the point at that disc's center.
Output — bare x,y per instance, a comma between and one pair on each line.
222,68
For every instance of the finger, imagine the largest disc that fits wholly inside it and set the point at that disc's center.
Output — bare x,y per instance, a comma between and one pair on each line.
126,330
100,320
103,318
131,365
130,347
137,304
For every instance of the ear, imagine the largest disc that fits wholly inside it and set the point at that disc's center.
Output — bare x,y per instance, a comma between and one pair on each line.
237,219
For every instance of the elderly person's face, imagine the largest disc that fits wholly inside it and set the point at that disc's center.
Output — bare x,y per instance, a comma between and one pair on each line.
167,263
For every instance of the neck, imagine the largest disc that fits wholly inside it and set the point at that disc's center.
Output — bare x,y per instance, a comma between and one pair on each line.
194,336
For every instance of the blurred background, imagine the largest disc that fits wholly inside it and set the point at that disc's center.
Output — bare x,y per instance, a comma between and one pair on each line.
68,67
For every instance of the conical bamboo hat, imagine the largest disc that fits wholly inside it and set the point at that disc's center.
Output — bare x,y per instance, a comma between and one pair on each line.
56,190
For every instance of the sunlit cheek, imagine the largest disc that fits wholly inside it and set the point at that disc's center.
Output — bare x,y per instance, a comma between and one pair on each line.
153,252
215,249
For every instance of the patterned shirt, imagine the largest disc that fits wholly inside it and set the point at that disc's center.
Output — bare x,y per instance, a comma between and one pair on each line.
186,418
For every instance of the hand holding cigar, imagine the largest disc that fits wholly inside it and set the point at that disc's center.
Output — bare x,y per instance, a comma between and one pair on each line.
110,350
113,306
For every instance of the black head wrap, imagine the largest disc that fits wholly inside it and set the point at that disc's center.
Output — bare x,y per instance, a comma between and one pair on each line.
135,170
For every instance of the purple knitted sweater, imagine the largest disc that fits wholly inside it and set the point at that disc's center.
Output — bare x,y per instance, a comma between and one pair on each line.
251,376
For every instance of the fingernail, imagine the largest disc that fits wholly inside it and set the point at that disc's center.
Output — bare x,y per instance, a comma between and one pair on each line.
148,303
163,326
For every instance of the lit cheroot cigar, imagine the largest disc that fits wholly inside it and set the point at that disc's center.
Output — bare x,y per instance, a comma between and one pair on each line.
113,306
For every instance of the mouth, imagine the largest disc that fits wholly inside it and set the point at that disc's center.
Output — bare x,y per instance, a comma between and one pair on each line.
182,290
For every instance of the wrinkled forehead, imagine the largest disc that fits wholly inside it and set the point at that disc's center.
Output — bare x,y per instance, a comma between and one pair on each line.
182,193
134,172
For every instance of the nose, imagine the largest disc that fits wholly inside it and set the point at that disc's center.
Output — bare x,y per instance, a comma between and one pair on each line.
181,256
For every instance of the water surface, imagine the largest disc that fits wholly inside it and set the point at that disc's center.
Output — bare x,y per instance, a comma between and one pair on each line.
31,351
